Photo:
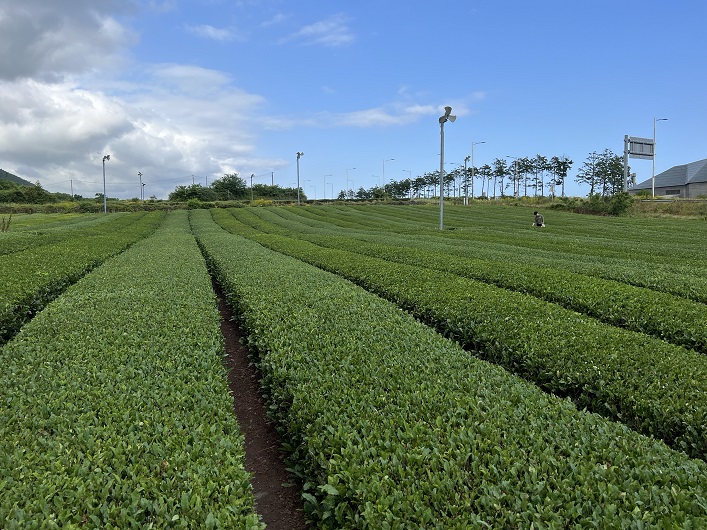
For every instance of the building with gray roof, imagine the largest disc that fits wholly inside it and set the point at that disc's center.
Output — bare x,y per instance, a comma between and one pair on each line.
687,181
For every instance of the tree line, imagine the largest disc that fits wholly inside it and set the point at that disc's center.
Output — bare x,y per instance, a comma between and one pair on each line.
538,176
231,187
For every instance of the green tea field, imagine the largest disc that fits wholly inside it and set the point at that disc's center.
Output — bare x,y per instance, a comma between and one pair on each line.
488,375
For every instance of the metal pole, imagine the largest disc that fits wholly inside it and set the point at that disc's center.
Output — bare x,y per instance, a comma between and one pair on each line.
140,175
472,171
653,173
626,162
332,187
441,175
472,168
299,154
105,208
653,160
466,183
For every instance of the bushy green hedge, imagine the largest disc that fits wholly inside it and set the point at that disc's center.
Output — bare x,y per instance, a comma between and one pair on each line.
656,388
392,426
35,230
674,319
114,406
39,273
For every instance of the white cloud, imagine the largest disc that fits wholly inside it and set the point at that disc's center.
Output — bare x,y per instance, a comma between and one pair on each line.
218,34
278,18
332,31
48,40
180,121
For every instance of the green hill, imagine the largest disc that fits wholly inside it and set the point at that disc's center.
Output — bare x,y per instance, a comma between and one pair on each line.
4,175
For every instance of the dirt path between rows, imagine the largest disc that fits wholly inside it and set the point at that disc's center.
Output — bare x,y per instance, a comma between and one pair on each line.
277,499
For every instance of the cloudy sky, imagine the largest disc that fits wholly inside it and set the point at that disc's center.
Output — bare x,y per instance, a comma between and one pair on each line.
187,91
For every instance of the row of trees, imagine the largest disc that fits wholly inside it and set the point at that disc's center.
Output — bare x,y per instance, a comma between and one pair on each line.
231,187
539,176
603,172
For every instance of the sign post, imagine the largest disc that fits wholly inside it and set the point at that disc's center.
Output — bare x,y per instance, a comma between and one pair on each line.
636,147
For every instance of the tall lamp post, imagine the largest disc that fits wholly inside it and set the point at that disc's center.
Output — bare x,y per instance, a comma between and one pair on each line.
466,182
105,208
299,155
251,187
442,120
347,180
141,197
653,174
472,166
384,161
332,190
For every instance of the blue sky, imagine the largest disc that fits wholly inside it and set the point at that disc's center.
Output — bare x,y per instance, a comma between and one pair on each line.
186,91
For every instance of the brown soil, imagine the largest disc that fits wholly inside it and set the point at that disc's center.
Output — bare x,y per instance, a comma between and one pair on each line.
277,497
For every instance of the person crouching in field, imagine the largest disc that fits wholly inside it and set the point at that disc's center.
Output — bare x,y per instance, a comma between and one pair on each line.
539,220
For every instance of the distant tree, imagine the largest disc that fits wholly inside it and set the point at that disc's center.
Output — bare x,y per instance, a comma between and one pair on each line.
587,174
560,166
500,172
525,168
230,187
610,171
485,173
418,186
195,191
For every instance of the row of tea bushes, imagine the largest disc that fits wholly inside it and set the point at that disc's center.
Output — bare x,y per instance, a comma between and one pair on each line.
39,229
669,259
38,274
115,411
391,425
675,319
654,387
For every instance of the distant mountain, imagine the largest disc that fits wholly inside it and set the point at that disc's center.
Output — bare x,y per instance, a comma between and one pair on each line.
4,175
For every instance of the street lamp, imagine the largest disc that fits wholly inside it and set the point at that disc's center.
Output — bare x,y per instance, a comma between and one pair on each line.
466,181
143,192
384,161
106,157
456,191
251,187
140,175
299,155
442,120
347,180
653,174
472,166
332,186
